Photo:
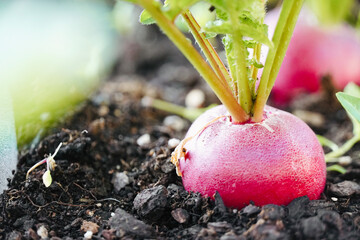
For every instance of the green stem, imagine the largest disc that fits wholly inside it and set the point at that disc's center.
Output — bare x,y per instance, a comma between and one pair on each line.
188,113
207,48
241,74
343,149
242,79
281,39
221,89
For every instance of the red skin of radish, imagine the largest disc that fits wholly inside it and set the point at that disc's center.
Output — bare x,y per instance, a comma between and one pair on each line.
247,162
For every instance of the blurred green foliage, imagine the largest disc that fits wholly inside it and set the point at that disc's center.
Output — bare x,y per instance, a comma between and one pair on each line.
53,55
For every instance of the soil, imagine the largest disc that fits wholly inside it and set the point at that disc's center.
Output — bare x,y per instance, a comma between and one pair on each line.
112,183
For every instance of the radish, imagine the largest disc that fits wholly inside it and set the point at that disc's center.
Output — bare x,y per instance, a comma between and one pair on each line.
314,52
261,162
242,149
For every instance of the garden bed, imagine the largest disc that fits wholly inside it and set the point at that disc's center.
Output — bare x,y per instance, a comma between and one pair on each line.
110,182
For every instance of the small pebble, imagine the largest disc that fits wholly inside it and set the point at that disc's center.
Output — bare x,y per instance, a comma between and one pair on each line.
175,122
120,180
88,235
180,215
103,111
151,203
147,101
88,226
173,143
195,99
144,140
345,161
345,188
312,228
42,232
112,214
126,224
334,199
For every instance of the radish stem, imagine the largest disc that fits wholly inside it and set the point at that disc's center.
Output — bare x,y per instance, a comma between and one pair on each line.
281,39
209,51
221,88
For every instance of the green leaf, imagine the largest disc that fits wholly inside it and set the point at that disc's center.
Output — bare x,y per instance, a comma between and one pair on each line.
336,168
223,27
350,103
172,8
331,12
327,143
146,18
218,26
47,179
352,89
255,63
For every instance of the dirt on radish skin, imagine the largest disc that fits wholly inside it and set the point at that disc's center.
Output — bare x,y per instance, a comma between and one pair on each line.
274,161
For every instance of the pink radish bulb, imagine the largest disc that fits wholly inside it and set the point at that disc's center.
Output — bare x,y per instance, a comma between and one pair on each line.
315,51
274,161
299,71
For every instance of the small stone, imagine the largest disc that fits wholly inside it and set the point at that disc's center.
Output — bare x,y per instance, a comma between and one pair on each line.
89,226
31,234
103,111
147,101
251,210
88,235
313,228
120,180
298,207
125,224
345,160
151,203
14,235
175,122
42,232
345,188
167,167
112,214
272,212
220,227
97,126
195,99
180,215
332,219
144,140
173,143
334,199
230,237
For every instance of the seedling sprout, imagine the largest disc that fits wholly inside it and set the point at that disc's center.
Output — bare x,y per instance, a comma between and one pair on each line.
50,166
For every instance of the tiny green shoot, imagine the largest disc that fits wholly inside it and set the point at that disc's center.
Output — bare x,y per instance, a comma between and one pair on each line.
189,113
50,166
350,100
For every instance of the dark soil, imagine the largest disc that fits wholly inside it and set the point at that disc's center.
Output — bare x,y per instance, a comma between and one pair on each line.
105,182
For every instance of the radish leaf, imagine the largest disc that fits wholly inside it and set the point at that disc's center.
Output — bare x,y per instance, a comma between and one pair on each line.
146,19
350,103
